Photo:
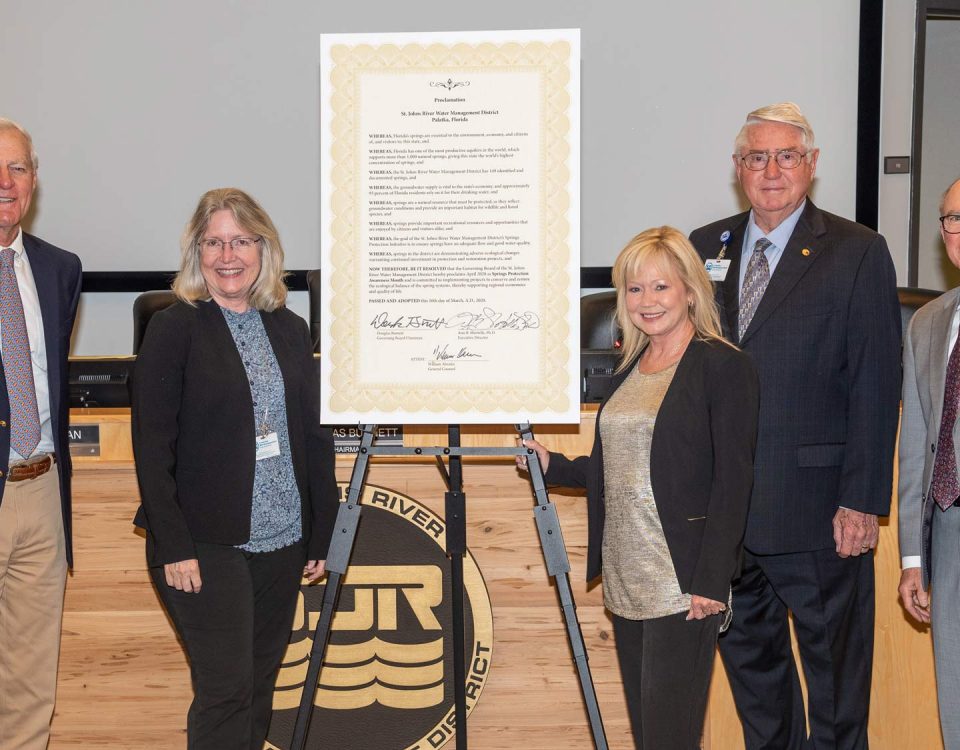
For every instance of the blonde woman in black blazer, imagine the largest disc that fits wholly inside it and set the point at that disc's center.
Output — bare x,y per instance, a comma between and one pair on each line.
236,473
682,422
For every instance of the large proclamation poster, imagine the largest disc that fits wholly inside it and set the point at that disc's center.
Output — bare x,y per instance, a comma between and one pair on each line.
450,212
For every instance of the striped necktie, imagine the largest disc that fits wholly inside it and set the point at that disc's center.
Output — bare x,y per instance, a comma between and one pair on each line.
17,364
754,285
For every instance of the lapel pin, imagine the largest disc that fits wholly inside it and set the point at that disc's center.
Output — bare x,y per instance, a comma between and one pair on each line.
805,252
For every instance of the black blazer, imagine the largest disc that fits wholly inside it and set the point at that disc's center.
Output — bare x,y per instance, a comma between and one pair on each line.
701,467
826,343
57,276
193,432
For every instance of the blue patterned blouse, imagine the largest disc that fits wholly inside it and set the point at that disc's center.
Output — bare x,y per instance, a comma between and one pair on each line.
275,519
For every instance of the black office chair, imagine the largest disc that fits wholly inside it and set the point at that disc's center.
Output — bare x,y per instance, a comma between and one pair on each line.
912,299
599,339
313,289
144,306
598,321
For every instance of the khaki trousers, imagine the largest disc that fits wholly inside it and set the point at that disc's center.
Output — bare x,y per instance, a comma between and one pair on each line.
33,568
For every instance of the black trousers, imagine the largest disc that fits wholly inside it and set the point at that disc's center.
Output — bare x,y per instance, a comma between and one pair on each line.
235,632
665,665
832,601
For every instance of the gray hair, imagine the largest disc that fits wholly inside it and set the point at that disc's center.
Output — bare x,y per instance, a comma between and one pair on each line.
786,112
7,124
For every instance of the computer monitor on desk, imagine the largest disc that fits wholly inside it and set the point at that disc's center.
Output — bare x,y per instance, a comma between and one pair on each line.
100,381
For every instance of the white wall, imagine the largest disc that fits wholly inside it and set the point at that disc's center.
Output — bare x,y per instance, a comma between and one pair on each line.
138,107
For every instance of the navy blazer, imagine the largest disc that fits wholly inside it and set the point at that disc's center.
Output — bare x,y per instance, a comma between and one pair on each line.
57,276
193,432
701,467
826,343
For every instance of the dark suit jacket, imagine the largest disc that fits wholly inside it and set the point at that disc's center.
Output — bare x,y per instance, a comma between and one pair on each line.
193,432
701,467
57,276
826,343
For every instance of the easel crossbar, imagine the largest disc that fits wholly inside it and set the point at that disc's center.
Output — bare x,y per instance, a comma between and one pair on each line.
388,450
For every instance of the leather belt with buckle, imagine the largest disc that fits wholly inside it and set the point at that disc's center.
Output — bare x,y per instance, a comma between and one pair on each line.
32,468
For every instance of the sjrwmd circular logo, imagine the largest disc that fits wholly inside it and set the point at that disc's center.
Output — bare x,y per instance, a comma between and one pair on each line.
387,677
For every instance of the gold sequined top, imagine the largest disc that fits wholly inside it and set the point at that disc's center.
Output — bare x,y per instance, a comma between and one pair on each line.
639,580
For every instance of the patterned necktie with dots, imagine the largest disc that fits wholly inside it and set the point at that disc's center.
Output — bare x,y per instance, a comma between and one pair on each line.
17,364
754,285
945,485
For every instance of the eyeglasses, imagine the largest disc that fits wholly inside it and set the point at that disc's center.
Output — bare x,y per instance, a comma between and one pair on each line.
758,160
237,244
950,223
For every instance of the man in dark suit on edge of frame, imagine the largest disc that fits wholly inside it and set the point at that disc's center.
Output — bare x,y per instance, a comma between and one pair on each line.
811,297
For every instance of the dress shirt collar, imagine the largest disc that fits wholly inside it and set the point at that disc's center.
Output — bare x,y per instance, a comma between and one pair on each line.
780,236
17,245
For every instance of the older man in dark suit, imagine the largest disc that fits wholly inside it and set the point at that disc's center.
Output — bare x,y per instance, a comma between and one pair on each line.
812,298
39,290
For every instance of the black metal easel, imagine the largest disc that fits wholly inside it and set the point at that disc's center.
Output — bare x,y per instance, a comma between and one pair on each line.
551,540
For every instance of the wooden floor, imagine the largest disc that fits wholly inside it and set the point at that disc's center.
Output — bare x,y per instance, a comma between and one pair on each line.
124,681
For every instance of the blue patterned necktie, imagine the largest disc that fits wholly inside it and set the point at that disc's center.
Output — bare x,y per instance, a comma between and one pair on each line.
17,364
754,285
945,485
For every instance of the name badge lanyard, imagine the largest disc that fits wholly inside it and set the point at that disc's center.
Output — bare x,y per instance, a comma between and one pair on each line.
264,428
724,239
267,442
717,267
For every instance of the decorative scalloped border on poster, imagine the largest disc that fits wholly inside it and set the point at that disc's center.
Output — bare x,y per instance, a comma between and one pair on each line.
549,393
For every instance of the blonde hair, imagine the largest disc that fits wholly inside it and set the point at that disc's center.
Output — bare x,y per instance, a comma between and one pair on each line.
668,246
269,290
786,112
8,124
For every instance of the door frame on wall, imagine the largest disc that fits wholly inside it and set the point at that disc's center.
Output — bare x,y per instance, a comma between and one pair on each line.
869,91
926,10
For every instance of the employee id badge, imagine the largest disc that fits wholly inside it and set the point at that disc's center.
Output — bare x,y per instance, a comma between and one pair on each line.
268,446
717,268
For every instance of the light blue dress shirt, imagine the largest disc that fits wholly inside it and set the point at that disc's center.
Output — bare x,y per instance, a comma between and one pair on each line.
779,238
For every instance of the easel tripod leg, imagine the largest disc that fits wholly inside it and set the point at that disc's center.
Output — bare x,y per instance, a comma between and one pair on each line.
558,567
579,649
456,547
330,595
338,558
